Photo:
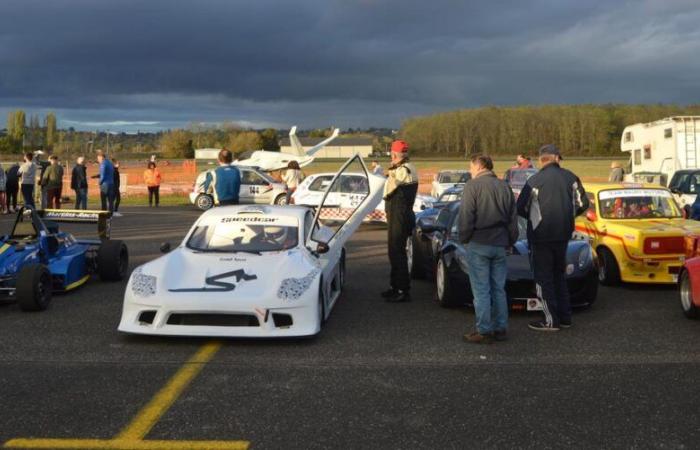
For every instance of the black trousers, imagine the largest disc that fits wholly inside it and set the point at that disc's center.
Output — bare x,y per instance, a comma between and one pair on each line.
153,191
11,198
117,198
28,195
397,237
549,264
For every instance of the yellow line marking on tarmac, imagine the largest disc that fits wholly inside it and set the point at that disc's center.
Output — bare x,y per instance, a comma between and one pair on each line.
164,399
132,436
116,444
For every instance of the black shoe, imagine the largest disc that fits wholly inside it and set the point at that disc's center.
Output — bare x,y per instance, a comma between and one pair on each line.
500,335
563,324
541,325
388,293
399,297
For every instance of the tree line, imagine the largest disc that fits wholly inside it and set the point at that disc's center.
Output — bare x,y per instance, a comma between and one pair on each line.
580,130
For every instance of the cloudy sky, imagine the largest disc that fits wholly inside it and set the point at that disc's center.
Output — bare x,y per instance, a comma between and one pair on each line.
151,64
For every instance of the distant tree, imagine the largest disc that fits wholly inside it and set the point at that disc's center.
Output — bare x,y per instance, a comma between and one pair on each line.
34,132
269,139
18,129
176,144
50,130
246,140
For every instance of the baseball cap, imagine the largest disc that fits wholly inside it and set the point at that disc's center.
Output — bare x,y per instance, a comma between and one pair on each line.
550,149
399,147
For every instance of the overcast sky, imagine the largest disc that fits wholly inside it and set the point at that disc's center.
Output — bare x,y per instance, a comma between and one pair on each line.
127,65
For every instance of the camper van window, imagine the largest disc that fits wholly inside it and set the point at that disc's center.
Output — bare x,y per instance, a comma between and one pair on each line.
628,136
637,157
668,132
647,153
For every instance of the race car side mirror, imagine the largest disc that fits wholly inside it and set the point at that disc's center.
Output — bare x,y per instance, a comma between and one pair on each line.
165,247
322,248
591,215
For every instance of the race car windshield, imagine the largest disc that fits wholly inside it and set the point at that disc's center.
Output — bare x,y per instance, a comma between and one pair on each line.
453,177
519,177
638,204
248,237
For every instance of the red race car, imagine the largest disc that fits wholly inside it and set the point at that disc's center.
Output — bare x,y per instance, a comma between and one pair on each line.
689,279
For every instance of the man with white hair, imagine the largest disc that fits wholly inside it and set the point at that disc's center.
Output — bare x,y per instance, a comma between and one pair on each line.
78,182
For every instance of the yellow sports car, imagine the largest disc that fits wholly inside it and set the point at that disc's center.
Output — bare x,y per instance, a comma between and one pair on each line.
638,232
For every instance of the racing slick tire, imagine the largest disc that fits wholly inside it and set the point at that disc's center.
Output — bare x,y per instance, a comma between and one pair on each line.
281,199
321,305
608,269
416,264
448,295
112,260
341,271
34,287
686,293
204,202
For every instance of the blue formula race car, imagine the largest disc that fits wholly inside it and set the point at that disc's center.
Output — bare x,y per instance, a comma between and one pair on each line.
37,259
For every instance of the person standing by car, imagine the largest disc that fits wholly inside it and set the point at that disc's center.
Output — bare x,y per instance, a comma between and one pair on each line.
3,187
550,201
52,181
27,171
292,178
117,187
224,182
11,188
488,226
377,168
79,184
617,173
400,192
106,181
152,178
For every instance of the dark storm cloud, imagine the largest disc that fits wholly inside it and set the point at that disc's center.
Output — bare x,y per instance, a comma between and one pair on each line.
350,63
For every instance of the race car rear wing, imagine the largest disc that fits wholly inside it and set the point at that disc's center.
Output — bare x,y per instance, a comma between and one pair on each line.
103,219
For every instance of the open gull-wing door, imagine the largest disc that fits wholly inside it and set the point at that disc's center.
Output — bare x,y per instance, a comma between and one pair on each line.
353,193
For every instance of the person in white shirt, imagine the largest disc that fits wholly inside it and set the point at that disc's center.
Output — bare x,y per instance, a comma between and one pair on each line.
292,177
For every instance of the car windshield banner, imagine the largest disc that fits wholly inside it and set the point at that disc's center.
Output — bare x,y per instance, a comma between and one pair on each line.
617,193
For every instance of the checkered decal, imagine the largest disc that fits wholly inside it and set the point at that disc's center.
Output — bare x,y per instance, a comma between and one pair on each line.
344,213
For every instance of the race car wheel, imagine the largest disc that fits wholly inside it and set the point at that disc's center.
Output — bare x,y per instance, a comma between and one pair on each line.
447,295
204,202
112,260
341,271
608,270
321,305
686,293
415,262
34,287
281,200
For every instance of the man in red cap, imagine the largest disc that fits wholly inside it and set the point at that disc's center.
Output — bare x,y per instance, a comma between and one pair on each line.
399,194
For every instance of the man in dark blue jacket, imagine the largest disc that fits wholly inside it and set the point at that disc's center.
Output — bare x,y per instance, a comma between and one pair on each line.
106,181
224,182
550,201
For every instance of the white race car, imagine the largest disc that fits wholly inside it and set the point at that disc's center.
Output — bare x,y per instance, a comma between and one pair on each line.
447,179
311,191
257,187
248,271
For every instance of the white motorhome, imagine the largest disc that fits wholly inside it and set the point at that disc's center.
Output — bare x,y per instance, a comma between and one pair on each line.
658,149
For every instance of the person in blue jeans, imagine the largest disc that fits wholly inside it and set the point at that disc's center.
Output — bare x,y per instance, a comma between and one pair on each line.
488,226
106,181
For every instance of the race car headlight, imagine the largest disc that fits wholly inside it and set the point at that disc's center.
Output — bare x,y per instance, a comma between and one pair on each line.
584,257
143,285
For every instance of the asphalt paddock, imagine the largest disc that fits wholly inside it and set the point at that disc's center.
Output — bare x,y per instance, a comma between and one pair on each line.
379,376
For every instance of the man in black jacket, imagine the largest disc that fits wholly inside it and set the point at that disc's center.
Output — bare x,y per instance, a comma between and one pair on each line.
399,195
12,187
487,226
79,183
550,201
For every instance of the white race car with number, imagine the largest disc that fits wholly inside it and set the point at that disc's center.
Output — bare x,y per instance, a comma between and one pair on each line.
345,194
257,187
448,178
248,271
